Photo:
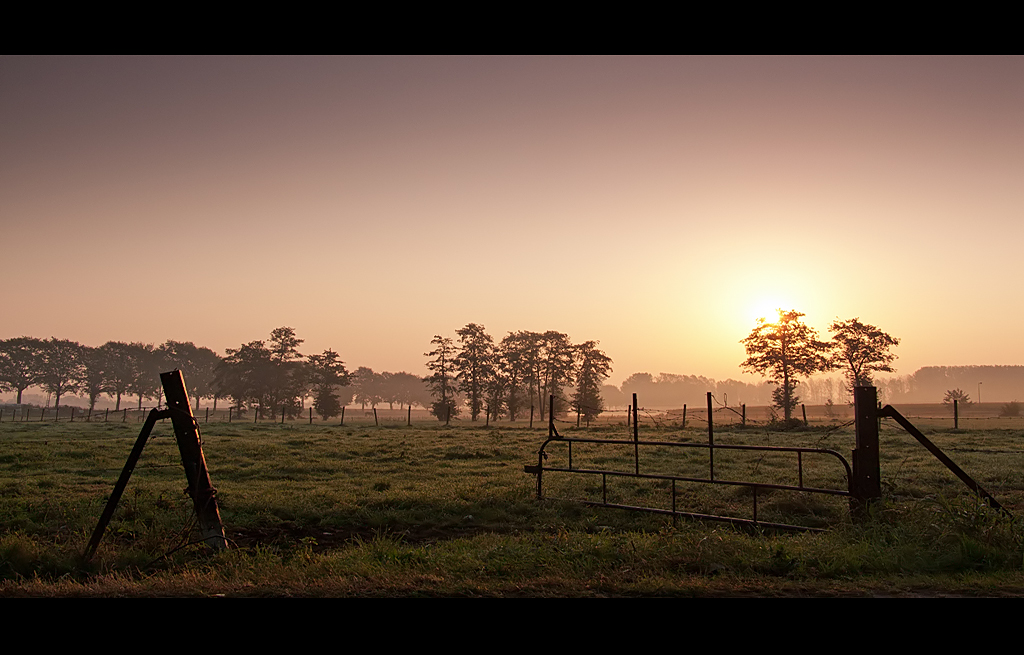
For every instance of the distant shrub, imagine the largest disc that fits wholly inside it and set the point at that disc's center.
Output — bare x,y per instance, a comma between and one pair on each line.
1011,408
957,395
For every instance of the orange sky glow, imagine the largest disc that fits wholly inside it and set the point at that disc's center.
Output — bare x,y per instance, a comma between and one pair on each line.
658,205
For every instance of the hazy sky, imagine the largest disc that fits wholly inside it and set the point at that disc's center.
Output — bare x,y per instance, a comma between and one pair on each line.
658,205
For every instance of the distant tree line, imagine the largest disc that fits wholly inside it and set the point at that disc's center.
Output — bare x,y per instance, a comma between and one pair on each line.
512,376
267,376
62,367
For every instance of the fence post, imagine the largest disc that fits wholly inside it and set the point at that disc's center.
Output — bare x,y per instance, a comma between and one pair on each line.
186,433
711,441
684,416
408,418
803,408
106,414
230,411
124,419
551,416
311,416
342,417
866,484
282,414
956,415
375,421
207,415
636,438
531,417
743,416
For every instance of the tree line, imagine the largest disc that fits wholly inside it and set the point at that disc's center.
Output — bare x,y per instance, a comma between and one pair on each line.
515,375
268,376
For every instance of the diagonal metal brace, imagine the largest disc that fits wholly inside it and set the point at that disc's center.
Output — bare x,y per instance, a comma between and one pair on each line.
890,412
122,482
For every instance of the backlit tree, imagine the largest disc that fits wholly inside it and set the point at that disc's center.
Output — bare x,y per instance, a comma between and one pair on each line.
782,352
860,350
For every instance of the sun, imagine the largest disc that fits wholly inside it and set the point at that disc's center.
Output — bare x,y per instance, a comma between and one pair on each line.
766,307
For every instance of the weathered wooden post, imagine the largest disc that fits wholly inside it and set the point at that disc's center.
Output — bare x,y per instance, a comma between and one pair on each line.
866,484
375,421
342,417
743,415
803,408
531,417
956,415
408,418
186,432
684,416
311,416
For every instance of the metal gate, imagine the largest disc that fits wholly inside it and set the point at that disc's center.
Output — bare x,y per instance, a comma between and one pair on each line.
638,446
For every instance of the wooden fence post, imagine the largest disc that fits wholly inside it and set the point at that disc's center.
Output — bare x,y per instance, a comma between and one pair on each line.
956,415
866,484
186,432
711,441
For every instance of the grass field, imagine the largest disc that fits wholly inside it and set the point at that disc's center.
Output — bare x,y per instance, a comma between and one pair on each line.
361,510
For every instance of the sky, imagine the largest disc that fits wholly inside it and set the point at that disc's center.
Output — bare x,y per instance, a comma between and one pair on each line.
658,205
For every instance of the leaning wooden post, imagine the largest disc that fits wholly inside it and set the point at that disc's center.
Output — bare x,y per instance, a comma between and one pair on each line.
186,433
342,417
375,421
803,408
866,485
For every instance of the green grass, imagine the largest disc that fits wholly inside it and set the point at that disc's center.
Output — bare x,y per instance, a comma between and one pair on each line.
434,511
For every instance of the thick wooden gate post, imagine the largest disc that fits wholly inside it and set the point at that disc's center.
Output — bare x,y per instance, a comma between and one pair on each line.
866,484
186,433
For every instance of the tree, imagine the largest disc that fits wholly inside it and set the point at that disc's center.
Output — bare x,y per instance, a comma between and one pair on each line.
474,365
197,364
245,373
20,363
94,380
781,352
593,369
556,368
61,368
367,387
121,366
961,398
326,374
860,350
442,381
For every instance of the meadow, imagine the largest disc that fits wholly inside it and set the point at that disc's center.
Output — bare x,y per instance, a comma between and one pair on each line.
432,510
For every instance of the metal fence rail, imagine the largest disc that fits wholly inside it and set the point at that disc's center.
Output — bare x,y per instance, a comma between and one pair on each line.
540,469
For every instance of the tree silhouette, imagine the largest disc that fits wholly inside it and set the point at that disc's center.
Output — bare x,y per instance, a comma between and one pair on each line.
20,363
326,374
474,364
442,381
860,350
61,368
593,368
782,351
